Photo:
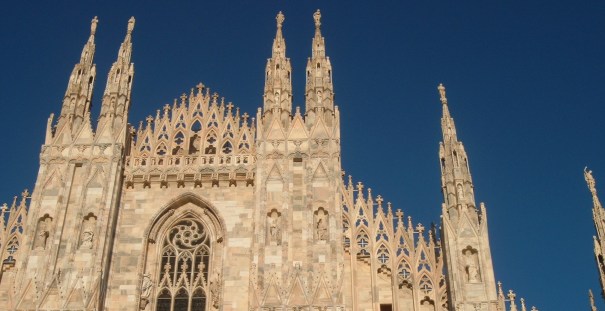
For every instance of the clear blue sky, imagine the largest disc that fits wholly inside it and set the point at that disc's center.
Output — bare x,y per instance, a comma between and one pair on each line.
525,83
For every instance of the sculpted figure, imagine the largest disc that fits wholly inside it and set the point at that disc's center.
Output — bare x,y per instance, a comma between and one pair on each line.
321,226
215,281
147,286
146,290
88,232
274,229
43,234
471,266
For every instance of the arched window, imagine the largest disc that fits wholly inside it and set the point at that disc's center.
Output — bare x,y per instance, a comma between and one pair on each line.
183,276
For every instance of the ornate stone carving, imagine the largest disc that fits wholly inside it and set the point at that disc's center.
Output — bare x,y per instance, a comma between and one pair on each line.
146,288
215,286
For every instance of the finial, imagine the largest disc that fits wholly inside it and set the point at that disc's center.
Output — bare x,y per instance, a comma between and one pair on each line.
359,186
200,87
511,295
183,99
379,200
399,215
280,19
317,18
130,24
93,26
166,108
441,89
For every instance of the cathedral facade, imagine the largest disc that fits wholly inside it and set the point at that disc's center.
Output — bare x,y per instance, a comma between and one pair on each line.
201,207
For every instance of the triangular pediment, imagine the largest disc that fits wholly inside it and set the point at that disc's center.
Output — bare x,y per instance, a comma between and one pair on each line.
275,131
274,174
297,294
85,134
319,129
466,228
298,130
272,294
322,295
320,172
52,299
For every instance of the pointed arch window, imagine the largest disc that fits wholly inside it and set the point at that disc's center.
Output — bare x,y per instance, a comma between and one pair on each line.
404,274
383,255
196,127
184,268
425,285
210,143
11,248
363,243
227,148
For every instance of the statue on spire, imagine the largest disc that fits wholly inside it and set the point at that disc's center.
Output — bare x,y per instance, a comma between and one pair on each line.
280,19
317,18
93,26
130,24
441,89
590,181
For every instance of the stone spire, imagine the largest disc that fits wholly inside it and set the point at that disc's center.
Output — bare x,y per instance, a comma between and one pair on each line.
78,96
319,89
456,181
116,99
464,228
598,216
278,79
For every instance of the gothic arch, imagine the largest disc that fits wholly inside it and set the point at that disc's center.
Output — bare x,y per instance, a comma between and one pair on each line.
177,207
192,231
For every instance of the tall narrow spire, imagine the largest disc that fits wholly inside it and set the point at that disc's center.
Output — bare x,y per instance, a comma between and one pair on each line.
457,184
464,226
78,95
319,88
278,79
116,98
598,216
